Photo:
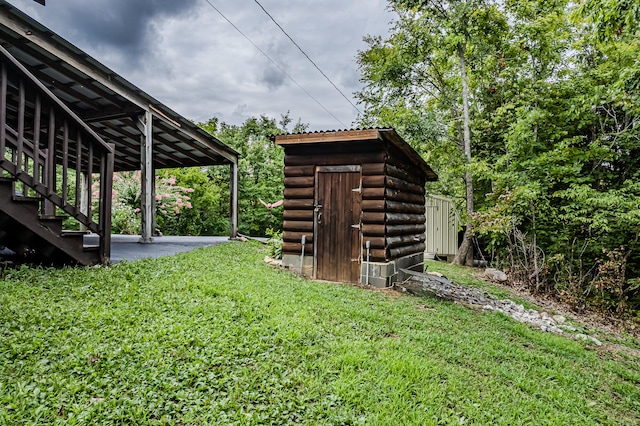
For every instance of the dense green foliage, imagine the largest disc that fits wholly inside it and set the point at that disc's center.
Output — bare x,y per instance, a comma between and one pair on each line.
216,336
195,201
555,123
260,171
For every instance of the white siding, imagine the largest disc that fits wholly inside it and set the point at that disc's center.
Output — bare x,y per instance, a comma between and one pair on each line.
442,226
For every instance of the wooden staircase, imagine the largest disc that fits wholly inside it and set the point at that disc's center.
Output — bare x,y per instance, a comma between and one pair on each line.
53,169
37,238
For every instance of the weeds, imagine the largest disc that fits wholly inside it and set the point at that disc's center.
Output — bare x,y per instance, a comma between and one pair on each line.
274,243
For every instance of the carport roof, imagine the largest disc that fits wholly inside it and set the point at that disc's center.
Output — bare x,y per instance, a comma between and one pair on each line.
106,101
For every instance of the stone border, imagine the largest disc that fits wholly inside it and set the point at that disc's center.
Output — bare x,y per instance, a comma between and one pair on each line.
434,285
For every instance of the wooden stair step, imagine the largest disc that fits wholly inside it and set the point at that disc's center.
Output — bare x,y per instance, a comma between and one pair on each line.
52,223
52,217
73,233
52,220
23,199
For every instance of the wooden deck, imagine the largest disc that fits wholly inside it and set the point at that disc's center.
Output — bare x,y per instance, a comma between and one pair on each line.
68,122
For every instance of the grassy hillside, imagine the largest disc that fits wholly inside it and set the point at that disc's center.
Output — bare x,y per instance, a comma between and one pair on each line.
217,337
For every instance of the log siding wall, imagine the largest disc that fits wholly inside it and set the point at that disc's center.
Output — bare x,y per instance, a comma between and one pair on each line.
393,218
299,192
393,197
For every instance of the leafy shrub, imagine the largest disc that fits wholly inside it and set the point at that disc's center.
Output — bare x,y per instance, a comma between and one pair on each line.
124,220
171,199
274,243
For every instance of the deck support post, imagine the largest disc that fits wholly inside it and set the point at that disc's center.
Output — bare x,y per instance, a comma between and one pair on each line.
233,210
106,184
147,182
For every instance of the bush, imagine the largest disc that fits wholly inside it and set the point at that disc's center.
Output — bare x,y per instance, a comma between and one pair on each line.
275,243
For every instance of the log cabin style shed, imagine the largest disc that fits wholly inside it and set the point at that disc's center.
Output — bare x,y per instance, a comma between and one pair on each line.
354,205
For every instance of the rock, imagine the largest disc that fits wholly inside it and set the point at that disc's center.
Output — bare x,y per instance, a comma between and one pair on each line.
431,285
273,262
495,275
554,329
589,338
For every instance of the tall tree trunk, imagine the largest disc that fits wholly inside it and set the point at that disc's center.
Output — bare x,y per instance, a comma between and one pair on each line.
465,251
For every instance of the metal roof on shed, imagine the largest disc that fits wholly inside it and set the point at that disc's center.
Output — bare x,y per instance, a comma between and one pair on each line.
355,135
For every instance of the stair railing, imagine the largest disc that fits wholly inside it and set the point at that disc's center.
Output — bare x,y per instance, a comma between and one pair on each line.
48,149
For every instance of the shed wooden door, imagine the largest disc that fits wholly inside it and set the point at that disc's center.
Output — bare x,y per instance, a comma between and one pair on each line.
338,201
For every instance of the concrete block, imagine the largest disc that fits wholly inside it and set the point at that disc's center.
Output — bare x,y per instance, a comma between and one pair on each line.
292,262
387,273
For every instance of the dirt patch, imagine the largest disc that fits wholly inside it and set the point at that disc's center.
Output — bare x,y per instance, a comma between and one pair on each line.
622,349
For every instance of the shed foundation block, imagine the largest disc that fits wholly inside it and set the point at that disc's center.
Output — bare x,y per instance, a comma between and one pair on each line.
381,274
293,262
385,274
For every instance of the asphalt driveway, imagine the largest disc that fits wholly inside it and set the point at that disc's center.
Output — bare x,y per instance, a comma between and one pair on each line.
127,247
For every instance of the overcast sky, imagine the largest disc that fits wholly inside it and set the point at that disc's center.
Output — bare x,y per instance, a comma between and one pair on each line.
185,54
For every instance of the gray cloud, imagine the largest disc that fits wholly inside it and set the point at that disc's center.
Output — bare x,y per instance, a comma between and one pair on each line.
273,77
183,53
126,25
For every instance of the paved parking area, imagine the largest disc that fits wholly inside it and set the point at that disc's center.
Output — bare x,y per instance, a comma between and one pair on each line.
127,247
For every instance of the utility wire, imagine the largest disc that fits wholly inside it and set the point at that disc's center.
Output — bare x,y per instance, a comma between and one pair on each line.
274,63
307,56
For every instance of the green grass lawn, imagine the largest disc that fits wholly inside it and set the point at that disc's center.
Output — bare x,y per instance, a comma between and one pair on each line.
215,336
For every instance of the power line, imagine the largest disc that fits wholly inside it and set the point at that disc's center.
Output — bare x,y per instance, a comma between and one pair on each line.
307,56
274,63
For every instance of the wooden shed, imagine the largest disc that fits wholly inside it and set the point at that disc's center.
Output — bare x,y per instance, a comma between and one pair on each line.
354,205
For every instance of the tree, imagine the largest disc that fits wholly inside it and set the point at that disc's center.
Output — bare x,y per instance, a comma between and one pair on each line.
526,119
550,109
425,64
564,183
260,171
611,19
